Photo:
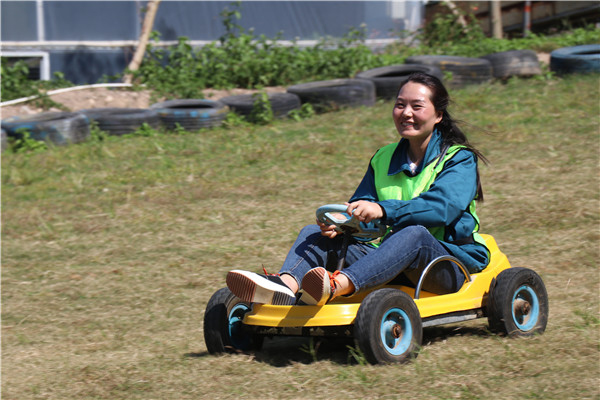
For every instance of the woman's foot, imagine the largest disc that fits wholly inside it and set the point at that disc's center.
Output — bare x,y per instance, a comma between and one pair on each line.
319,286
255,288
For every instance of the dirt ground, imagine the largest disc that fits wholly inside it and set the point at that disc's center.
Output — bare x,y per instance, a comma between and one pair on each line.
110,97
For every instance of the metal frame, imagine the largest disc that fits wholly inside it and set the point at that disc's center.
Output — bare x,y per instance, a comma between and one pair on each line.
433,264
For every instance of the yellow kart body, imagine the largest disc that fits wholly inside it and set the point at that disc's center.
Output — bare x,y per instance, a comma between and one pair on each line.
386,323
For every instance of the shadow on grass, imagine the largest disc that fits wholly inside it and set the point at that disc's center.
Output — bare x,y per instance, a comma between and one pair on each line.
282,351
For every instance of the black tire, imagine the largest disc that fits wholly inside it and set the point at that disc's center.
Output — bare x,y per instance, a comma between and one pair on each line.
223,331
281,104
57,127
191,114
121,121
576,59
517,303
388,79
464,70
522,63
336,93
388,327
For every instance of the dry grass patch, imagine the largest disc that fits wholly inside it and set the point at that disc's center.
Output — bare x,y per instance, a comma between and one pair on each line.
111,250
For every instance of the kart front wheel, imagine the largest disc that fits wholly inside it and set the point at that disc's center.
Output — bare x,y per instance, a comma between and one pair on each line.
223,327
518,303
388,327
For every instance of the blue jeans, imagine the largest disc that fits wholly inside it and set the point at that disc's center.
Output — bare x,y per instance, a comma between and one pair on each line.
405,252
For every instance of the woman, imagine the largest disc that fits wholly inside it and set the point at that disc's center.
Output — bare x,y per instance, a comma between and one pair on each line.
423,187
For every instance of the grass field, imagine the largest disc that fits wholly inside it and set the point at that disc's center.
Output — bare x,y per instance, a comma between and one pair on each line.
111,250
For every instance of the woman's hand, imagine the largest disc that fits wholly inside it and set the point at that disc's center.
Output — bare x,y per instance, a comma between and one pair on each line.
365,211
328,230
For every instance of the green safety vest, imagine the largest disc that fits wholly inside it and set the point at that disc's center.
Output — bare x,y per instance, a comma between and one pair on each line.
400,186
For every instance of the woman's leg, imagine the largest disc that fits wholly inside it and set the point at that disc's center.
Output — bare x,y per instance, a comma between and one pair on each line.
410,249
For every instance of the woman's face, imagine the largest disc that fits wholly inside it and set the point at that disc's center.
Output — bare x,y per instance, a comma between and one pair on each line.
414,113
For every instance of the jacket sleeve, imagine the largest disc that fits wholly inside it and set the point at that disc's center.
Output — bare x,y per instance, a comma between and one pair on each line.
366,188
447,198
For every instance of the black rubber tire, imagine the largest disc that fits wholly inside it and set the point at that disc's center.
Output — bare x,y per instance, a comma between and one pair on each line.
388,79
522,63
465,70
59,128
281,104
517,303
576,59
335,93
217,320
191,114
121,121
376,314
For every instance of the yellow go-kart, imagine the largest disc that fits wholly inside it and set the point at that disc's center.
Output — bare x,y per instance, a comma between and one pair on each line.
386,323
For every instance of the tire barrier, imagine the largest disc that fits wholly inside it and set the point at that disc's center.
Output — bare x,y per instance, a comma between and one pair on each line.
514,63
388,79
59,128
576,59
121,121
465,70
281,104
190,114
336,93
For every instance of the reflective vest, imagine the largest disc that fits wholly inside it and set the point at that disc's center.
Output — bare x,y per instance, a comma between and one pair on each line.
400,186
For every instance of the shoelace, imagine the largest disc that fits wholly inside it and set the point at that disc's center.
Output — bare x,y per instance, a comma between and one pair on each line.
333,282
268,274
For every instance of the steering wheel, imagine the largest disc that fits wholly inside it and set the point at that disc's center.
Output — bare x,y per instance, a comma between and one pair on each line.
359,230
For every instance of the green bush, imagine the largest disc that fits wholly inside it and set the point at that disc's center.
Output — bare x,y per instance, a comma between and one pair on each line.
242,59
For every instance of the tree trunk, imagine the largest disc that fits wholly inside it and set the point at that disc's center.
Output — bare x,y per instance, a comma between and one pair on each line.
458,14
496,19
138,56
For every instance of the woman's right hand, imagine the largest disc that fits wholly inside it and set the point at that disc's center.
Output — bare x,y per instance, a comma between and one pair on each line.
329,230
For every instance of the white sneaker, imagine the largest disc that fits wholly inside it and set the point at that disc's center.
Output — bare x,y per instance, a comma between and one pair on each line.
318,285
255,288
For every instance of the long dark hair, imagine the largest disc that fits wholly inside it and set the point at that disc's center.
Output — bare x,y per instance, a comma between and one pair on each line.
448,128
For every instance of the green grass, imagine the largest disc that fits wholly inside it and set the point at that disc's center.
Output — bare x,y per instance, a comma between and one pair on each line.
111,250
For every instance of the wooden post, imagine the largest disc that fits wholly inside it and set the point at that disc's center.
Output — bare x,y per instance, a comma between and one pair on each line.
527,19
496,19
138,56
459,16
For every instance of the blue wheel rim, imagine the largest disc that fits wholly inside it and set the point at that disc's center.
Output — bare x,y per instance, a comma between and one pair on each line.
525,308
396,331
239,340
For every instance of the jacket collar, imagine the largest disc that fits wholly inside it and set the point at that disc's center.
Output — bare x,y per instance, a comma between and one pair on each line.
399,162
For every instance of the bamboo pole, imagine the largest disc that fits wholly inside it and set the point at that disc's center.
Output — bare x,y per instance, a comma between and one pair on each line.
138,56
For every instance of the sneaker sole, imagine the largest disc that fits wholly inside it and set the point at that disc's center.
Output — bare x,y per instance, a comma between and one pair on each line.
316,287
253,288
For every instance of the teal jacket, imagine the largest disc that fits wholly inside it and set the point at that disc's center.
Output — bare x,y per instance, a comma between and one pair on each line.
446,203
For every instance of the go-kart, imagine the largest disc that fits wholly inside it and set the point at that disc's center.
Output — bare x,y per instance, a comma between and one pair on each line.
386,323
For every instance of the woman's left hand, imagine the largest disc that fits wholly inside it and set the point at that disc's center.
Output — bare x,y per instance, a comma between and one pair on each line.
365,211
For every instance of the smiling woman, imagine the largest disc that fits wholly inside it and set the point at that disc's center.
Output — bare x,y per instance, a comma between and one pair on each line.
423,188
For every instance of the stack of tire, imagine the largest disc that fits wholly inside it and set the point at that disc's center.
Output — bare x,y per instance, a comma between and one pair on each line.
335,93
576,59
388,79
362,90
60,128
190,114
121,121
281,104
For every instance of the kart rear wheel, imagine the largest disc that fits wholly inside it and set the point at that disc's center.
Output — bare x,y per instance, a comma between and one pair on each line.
388,327
223,328
518,303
